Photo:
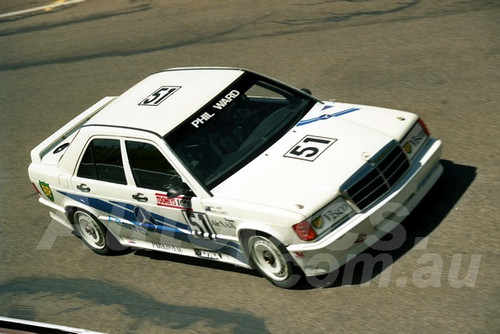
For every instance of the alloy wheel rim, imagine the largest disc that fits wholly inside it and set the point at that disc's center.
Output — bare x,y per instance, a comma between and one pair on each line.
90,231
269,259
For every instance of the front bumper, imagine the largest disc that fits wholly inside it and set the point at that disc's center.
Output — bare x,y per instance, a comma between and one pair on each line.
366,228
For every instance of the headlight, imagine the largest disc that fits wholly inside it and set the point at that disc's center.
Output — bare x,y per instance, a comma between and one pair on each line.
415,139
325,220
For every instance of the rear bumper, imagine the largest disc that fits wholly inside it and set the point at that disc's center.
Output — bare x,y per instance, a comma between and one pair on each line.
56,212
366,228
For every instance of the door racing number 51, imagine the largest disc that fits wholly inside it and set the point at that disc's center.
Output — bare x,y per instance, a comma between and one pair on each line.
199,224
310,147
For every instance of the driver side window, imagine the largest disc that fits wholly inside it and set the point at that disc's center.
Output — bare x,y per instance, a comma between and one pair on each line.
150,168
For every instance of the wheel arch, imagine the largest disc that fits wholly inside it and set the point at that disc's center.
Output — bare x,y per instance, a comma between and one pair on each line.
114,241
246,231
293,272
71,207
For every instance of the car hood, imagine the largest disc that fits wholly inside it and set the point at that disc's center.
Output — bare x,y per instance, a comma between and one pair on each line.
292,176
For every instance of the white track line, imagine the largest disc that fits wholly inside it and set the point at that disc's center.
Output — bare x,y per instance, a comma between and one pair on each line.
46,8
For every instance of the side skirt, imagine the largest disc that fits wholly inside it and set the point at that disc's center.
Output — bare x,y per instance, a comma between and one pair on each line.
208,254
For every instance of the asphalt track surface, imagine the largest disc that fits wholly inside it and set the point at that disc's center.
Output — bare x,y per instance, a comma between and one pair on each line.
437,58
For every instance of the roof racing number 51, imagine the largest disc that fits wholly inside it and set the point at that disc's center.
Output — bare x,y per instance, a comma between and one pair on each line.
158,96
310,147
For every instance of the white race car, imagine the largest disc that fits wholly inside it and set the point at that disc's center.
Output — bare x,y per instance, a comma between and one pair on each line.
233,166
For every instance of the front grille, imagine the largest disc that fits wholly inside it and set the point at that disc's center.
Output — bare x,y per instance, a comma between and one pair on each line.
377,177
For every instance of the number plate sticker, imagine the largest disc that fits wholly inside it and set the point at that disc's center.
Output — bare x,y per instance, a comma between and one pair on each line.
335,213
310,147
414,140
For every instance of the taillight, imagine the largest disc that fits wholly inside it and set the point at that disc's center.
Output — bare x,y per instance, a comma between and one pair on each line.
304,231
424,127
38,191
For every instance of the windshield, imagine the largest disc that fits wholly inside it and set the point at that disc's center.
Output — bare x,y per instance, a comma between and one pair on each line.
237,126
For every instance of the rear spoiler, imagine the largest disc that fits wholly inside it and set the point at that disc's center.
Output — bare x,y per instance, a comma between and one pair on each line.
67,130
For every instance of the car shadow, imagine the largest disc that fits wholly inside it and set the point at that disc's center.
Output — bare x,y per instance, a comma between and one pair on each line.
86,295
412,232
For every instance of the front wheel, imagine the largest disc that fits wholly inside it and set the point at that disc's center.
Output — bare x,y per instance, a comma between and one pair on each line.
270,258
94,234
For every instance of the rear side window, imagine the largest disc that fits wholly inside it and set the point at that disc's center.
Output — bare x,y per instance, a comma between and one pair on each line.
150,168
102,161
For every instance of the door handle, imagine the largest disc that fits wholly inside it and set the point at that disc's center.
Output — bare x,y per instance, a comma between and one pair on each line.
83,187
140,197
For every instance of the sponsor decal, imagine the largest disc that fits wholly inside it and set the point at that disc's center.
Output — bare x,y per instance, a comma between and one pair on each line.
46,190
221,104
208,254
226,223
407,147
309,148
216,209
336,211
317,223
326,116
167,247
176,203
226,99
417,139
159,95
202,119
414,140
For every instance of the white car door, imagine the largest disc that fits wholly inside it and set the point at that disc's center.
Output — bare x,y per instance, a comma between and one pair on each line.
164,219
179,224
100,184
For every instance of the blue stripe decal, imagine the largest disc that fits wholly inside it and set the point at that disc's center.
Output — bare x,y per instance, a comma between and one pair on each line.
326,116
155,216
163,225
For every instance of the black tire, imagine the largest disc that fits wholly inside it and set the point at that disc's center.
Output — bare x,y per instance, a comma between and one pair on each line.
94,234
271,259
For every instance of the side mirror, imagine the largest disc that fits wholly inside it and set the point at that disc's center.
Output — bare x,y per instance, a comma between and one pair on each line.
306,90
178,190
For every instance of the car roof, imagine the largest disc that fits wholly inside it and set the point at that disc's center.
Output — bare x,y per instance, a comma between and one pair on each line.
163,100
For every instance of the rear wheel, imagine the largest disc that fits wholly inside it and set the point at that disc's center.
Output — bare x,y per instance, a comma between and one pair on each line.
94,234
270,258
